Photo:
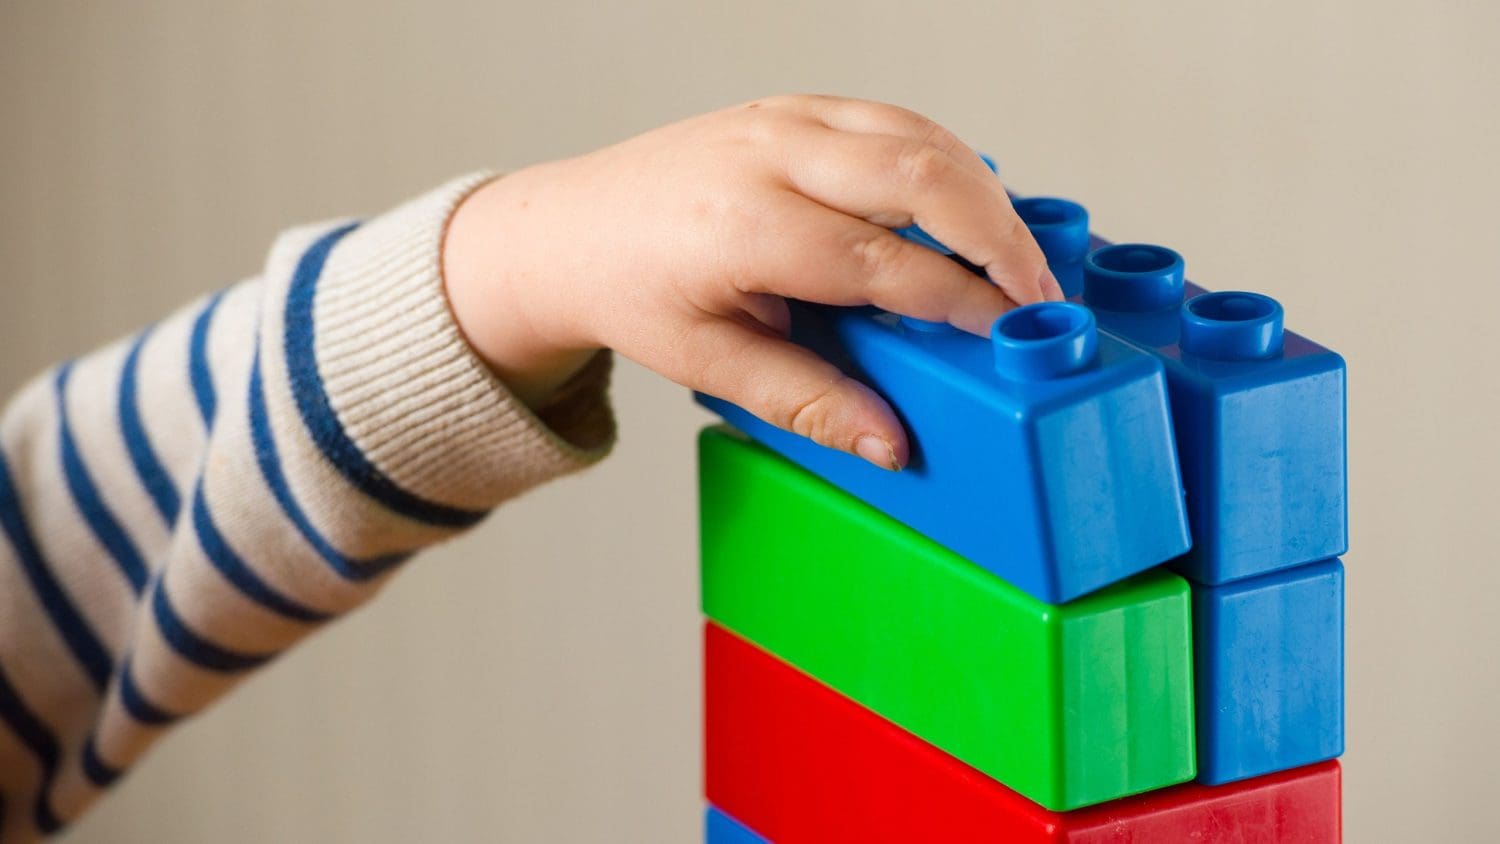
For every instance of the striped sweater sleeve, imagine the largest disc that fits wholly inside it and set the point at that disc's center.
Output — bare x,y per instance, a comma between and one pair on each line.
181,507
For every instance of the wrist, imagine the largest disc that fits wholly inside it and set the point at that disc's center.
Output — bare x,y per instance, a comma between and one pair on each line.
497,303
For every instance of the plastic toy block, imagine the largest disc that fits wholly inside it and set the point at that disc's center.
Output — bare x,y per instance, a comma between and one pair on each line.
1043,454
719,828
797,762
1269,669
1068,704
1259,411
1260,424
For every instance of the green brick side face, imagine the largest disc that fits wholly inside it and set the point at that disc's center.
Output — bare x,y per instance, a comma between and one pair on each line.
1127,676
1069,705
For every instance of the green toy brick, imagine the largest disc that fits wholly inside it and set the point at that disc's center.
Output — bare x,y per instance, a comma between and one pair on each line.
1070,704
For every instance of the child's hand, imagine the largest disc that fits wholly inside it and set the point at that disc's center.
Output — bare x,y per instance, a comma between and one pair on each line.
676,247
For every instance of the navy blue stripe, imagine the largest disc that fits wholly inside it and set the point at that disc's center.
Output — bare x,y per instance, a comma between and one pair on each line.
86,496
237,572
318,414
198,370
46,821
136,703
98,771
194,648
70,623
39,740
148,467
267,456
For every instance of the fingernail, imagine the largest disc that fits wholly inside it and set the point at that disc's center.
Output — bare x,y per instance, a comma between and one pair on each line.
877,451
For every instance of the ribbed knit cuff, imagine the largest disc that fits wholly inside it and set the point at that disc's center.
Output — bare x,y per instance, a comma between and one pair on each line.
409,390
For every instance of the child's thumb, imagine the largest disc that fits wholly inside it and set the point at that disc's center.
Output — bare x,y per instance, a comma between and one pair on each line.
792,388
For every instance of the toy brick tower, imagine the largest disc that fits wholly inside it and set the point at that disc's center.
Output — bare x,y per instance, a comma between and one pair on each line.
1102,603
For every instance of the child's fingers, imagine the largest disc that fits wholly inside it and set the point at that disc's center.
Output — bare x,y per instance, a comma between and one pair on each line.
769,310
791,388
892,181
1052,288
872,118
819,255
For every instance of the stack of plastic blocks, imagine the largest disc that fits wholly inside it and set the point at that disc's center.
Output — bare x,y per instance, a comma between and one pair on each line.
1101,603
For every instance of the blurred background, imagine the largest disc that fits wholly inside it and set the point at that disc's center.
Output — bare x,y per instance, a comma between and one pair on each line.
538,679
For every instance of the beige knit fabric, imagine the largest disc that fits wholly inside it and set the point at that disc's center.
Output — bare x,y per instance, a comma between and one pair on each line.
177,510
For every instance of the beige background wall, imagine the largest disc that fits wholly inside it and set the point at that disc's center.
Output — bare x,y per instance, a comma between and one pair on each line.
536,681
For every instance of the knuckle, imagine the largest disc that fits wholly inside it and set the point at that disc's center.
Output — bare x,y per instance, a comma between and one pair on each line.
922,165
881,255
764,128
1016,227
1017,233
1008,238
811,416
938,137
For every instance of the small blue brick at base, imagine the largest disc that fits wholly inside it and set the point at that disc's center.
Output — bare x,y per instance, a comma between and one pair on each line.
1269,669
1059,485
719,828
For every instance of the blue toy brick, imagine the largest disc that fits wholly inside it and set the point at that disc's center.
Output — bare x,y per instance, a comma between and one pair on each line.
720,828
1268,658
1259,412
1043,454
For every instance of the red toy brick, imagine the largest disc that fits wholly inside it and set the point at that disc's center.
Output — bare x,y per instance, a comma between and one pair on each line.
798,762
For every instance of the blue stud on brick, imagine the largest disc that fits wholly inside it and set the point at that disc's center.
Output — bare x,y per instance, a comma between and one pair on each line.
1043,454
1269,671
720,828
